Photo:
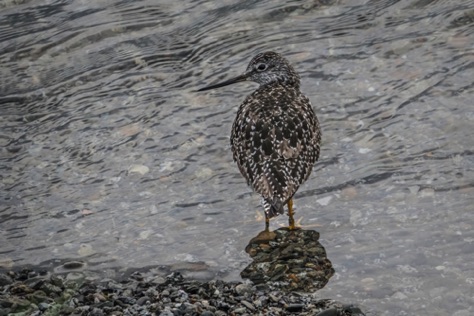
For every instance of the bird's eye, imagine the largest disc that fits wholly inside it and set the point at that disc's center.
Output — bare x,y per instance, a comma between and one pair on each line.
261,67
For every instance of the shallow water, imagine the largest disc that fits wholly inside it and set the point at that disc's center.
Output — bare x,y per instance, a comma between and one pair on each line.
108,156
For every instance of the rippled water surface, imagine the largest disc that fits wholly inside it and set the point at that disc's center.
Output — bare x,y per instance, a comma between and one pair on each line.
109,157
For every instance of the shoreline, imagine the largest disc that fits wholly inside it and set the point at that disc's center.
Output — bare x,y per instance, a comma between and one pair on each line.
30,293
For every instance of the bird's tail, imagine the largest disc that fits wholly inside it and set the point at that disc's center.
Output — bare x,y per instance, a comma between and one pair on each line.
273,207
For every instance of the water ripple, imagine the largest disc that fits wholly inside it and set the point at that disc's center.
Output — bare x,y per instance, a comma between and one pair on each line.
109,157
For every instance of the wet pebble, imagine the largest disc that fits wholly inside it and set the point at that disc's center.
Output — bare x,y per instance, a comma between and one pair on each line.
43,306
142,300
73,265
5,279
295,308
248,305
239,310
244,289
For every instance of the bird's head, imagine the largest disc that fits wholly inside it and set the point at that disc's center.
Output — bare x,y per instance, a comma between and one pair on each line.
265,68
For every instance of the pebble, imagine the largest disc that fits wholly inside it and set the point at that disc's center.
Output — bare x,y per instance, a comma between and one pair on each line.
43,306
140,169
239,310
5,280
73,265
142,300
295,308
248,305
242,289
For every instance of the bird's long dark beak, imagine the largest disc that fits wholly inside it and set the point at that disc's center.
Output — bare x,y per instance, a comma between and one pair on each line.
240,78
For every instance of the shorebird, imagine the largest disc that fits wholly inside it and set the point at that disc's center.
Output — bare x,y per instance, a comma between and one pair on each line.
276,136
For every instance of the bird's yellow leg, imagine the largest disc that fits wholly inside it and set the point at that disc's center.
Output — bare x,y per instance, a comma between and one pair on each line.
267,222
291,212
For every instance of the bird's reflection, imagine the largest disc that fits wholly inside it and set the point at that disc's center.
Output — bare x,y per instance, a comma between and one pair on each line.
288,259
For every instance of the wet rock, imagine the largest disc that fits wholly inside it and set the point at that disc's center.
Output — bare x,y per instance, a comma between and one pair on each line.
5,279
140,169
4,311
16,304
38,297
49,289
43,306
290,260
243,289
56,280
248,305
96,312
158,280
142,300
21,288
75,277
295,308
71,265
239,310
329,312
34,282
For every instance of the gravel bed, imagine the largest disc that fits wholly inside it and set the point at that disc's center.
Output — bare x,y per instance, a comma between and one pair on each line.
288,267
28,293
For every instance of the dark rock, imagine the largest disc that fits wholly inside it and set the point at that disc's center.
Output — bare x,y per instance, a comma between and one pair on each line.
56,280
223,306
43,306
14,148
295,308
38,297
35,283
97,312
20,288
137,276
273,297
142,300
5,311
354,310
288,260
329,312
114,286
5,279
16,304
49,288
71,265
248,305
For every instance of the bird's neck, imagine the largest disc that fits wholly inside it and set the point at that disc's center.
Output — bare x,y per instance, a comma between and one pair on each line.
283,83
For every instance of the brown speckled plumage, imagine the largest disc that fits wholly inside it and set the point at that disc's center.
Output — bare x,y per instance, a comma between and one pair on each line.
276,136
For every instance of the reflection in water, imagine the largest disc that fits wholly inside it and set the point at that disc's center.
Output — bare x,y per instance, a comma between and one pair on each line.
287,259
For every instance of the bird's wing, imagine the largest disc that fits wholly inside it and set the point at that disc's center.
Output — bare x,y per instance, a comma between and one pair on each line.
276,145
